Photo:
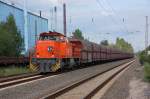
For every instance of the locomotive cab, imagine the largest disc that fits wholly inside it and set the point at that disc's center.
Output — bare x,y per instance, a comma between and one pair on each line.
50,49
49,45
51,37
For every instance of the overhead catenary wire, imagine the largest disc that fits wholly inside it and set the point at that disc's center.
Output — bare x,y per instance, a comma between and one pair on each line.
117,15
111,17
101,5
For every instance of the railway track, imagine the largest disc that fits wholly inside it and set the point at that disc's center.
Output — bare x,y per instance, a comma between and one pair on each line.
80,90
16,80
15,77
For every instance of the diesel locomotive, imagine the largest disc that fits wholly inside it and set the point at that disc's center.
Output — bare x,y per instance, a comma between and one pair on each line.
53,51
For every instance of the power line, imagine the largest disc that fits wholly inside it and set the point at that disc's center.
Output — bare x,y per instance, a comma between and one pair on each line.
101,5
113,20
118,15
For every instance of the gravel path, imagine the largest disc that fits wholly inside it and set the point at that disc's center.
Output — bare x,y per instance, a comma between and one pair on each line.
130,85
43,87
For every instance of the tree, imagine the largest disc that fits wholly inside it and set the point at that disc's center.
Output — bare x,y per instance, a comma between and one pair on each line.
123,45
104,42
78,34
144,56
11,42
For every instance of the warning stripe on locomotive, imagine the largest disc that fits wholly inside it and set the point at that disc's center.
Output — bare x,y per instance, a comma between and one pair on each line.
56,66
34,68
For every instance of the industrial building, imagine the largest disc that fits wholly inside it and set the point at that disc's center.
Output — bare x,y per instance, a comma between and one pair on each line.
35,23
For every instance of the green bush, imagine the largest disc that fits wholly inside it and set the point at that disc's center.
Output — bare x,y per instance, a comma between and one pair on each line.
144,57
145,60
2,72
13,70
147,71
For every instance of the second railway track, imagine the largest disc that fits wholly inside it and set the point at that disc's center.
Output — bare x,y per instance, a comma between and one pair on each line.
11,81
74,90
14,80
37,86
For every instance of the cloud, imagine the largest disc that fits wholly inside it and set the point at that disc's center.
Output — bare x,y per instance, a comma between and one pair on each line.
104,13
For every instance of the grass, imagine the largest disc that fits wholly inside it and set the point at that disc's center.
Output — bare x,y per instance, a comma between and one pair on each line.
13,70
147,71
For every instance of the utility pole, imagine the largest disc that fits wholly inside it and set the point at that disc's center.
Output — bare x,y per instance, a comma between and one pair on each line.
51,18
36,35
70,23
40,23
55,9
146,33
64,20
25,27
40,13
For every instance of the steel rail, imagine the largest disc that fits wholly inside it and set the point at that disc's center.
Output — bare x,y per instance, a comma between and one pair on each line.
78,83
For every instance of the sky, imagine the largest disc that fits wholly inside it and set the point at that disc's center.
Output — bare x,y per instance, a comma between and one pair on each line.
98,19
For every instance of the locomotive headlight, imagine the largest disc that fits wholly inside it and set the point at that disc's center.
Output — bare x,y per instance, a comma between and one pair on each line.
50,49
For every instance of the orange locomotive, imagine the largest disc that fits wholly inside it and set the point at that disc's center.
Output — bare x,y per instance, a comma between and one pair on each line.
53,51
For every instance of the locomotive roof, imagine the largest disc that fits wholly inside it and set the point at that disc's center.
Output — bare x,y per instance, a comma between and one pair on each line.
51,33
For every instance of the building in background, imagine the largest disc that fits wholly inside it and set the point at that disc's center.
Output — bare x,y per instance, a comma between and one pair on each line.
36,24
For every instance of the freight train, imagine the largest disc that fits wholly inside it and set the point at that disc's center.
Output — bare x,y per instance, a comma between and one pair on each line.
54,51
10,61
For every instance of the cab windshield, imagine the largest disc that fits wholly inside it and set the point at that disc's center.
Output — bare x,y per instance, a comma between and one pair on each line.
54,38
